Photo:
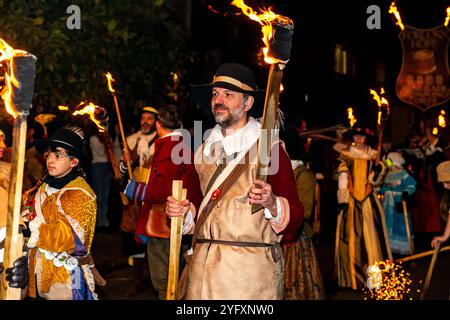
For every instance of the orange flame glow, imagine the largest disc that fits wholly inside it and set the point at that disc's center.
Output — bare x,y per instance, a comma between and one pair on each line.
388,281
441,119
351,117
265,18
7,53
393,10
435,131
110,80
90,110
381,102
447,19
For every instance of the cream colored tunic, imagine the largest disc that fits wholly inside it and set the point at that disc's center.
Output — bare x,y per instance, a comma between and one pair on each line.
230,272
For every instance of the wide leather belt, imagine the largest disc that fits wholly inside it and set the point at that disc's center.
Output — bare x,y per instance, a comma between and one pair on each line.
239,243
275,247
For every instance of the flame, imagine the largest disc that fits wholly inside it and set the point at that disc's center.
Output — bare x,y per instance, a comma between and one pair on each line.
441,119
265,18
435,131
447,19
63,108
110,80
351,117
90,110
382,102
7,53
393,9
281,87
387,280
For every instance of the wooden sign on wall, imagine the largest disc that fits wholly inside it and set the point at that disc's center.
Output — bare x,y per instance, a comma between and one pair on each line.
424,79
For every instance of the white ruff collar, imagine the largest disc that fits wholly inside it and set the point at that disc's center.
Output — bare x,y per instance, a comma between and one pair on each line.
238,141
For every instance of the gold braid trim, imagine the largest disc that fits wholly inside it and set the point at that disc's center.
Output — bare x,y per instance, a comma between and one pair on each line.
31,273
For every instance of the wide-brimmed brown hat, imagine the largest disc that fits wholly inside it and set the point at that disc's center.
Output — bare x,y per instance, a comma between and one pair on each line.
235,77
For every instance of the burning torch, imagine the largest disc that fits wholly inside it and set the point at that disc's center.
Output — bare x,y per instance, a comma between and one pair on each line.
383,114
277,36
17,95
99,117
119,118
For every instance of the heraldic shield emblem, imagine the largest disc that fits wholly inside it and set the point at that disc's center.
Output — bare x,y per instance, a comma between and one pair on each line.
424,79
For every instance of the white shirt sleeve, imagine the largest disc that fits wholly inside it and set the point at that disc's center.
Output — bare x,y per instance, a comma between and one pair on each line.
269,216
187,222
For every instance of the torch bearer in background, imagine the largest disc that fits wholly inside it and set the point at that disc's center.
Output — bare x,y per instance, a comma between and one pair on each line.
277,36
119,119
17,95
383,113
99,117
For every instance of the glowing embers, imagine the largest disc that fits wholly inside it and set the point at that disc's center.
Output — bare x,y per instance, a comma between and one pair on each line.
387,280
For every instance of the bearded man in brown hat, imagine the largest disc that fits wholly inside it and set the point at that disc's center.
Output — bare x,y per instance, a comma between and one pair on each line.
236,252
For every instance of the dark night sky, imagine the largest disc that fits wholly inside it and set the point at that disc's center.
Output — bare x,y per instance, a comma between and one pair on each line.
319,25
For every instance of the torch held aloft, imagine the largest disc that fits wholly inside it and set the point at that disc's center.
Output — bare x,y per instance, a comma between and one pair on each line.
24,66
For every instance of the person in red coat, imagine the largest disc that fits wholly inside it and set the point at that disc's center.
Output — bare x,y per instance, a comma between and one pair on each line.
172,160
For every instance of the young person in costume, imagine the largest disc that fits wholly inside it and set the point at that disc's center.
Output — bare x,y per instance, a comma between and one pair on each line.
357,235
61,217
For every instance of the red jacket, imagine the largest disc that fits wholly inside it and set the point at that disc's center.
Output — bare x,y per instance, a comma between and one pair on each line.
163,172
283,185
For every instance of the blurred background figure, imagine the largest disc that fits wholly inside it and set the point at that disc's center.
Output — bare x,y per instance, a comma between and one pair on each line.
302,276
397,187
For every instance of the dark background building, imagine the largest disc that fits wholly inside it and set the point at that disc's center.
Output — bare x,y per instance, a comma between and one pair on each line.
335,57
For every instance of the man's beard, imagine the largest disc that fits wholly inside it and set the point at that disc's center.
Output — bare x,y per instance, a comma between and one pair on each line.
226,119
152,129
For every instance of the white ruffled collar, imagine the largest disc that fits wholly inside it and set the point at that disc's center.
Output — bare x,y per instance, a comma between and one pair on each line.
237,142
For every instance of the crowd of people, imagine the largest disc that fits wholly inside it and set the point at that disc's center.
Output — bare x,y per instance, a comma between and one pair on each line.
243,238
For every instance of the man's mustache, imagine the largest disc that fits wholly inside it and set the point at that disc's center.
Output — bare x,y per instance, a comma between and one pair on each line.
220,106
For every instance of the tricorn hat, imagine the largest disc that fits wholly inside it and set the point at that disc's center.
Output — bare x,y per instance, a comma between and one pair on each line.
69,138
235,77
